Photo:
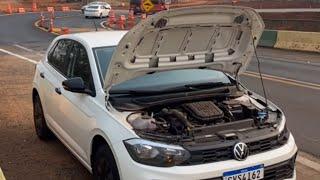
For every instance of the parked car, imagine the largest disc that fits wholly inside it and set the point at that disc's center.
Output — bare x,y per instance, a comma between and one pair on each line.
97,11
95,3
161,101
136,6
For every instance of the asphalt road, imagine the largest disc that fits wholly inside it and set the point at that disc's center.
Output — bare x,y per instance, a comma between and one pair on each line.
300,102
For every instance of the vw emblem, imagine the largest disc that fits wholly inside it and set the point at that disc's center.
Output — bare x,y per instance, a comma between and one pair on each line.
240,151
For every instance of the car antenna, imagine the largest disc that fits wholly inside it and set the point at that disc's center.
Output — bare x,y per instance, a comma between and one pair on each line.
260,74
95,25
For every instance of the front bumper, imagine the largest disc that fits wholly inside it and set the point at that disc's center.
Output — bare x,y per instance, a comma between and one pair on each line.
92,14
130,169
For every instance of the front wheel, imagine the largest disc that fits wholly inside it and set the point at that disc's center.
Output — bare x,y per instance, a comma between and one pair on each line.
104,166
42,130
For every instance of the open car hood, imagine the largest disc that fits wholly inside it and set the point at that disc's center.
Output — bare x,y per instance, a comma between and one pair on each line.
213,37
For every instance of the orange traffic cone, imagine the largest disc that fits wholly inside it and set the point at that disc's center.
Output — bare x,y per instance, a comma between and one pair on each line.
34,7
111,19
121,22
51,26
41,20
9,9
143,16
131,19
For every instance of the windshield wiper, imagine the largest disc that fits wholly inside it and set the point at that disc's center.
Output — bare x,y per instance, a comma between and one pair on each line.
206,85
183,88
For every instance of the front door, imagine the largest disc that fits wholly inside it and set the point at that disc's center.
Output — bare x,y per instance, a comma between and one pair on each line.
76,116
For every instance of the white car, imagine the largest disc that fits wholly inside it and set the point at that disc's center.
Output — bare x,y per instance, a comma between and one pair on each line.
97,11
161,101
94,3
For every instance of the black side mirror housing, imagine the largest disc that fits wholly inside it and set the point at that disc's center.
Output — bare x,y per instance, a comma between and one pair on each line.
76,85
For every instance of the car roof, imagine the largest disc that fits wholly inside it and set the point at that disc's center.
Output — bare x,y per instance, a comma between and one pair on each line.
97,39
98,2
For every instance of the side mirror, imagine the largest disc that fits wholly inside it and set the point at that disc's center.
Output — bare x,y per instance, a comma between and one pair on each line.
76,85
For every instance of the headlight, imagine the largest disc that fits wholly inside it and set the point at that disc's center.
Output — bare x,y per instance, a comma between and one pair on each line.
282,123
284,132
156,154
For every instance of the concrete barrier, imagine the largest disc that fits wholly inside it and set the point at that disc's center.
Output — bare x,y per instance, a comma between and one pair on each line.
268,38
296,40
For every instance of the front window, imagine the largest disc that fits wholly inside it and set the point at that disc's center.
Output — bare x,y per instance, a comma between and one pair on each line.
60,56
103,56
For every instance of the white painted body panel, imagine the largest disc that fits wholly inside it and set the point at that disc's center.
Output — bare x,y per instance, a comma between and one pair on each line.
77,118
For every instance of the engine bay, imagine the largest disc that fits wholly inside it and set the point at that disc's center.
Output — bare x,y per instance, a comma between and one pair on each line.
203,119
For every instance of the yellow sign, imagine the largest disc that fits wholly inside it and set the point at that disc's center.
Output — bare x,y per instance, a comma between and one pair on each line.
147,5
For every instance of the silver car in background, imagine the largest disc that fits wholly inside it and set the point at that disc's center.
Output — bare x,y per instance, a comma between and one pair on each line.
94,3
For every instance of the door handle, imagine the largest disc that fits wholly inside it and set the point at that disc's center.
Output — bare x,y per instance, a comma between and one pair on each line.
42,75
58,91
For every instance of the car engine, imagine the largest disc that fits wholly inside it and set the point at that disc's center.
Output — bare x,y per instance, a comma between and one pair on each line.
189,120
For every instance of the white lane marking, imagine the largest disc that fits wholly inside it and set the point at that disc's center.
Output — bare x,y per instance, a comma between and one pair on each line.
308,163
282,78
19,56
102,24
22,47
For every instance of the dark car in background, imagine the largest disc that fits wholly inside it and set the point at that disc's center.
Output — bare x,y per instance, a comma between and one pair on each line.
137,6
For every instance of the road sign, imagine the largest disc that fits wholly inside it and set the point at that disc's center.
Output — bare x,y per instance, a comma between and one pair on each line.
147,5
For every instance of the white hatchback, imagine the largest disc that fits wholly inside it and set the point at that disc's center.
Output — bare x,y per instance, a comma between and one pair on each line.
163,100
97,11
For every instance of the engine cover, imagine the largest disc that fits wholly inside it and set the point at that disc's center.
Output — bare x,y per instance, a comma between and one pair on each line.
203,111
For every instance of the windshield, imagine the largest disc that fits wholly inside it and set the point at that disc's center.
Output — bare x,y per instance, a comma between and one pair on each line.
175,81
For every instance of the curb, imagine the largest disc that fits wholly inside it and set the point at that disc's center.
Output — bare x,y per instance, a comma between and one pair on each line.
105,27
36,24
56,31
309,163
15,13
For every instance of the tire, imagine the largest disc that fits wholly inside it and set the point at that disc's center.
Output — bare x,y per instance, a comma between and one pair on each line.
42,130
86,17
104,166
